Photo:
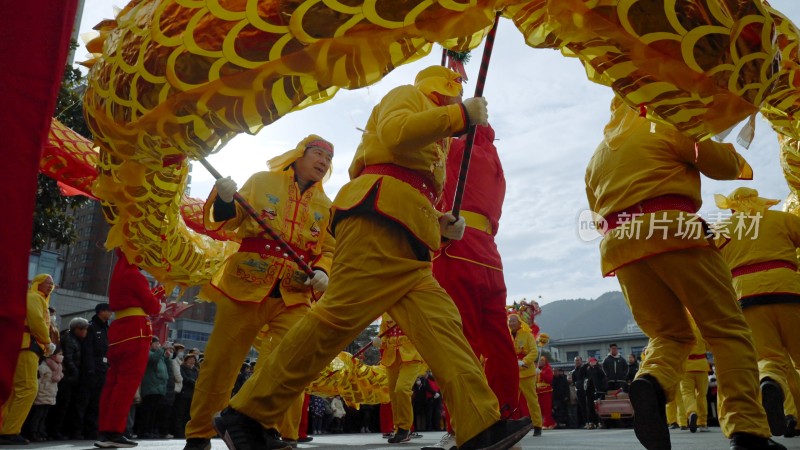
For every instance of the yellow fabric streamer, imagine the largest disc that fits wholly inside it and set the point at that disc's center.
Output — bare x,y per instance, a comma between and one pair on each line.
746,200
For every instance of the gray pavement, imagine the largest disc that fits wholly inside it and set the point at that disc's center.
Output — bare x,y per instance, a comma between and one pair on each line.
615,439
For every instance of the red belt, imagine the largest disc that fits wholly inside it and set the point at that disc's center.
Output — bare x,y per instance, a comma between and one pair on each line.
408,176
762,266
662,203
698,356
270,247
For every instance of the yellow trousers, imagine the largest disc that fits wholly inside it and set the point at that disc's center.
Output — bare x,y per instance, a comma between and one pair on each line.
236,325
676,410
290,425
694,387
23,393
375,271
657,290
777,337
402,376
527,388
792,398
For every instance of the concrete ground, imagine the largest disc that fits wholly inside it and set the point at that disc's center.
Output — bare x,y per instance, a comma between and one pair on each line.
613,439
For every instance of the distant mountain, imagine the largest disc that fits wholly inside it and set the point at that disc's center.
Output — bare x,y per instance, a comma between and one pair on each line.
607,314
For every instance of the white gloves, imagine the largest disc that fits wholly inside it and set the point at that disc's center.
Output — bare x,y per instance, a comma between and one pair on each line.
226,188
450,230
163,308
51,348
476,110
436,395
377,341
319,282
520,363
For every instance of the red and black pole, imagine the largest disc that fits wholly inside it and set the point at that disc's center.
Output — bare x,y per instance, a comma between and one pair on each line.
462,174
288,250
369,344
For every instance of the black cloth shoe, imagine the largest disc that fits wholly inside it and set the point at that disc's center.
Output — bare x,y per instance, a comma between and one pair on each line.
306,439
693,422
401,436
240,432
387,435
13,439
197,444
744,441
772,400
791,427
114,440
537,431
500,436
649,413
674,426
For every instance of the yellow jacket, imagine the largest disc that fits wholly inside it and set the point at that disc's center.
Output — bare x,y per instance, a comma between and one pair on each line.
525,346
634,164
300,219
396,348
407,129
774,236
694,363
37,320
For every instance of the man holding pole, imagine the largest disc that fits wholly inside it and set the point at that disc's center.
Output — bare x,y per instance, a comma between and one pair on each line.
260,285
386,227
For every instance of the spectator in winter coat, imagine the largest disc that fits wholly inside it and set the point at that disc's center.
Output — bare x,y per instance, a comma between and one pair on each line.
616,369
66,399
154,386
183,401
595,389
50,373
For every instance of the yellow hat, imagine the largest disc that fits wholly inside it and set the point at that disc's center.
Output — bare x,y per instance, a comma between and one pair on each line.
746,200
281,162
440,80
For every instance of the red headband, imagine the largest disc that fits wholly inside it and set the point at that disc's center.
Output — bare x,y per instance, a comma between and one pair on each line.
319,143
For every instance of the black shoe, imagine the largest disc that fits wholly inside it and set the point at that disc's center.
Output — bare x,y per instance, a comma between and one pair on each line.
306,439
13,439
537,431
401,436
197,444
387,435
744,441
500,436
684,428
649,413
243,433
114,440
772,400
791,427
674,426
693,422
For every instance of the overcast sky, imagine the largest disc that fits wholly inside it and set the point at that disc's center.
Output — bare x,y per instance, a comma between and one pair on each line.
548,120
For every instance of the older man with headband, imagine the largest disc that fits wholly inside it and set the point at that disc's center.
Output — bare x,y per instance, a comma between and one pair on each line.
259,284
386,227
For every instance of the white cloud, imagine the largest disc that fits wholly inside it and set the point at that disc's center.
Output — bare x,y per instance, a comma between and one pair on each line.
548,118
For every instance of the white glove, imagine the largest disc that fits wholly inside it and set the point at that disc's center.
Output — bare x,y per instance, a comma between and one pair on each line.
377,341
226,188
520,363
436,395
450,230
51,348
319,282
163,308
476,111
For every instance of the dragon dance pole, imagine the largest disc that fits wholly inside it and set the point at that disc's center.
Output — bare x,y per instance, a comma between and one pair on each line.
462,174
369,344
288,250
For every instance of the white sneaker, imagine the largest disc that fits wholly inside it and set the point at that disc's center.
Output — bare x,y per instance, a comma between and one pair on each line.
447,442
703,429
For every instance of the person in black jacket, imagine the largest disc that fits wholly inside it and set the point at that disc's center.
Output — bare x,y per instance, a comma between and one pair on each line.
67,396
595,383
560,399
183,400
633,367
616,369
93,373
578,375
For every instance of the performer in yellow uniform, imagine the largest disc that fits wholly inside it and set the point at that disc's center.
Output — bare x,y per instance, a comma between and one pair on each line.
761,250
676,410
644,181
694,384
35,343
403,366
527,357
259,285
386,228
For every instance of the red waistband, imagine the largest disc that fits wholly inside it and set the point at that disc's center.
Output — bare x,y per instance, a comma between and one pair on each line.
762,266
270,247
662,203
408,176
698,356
